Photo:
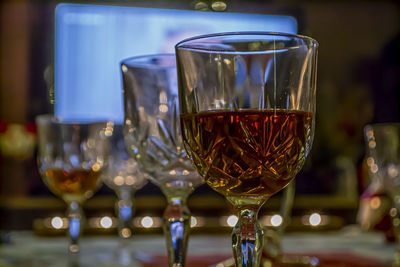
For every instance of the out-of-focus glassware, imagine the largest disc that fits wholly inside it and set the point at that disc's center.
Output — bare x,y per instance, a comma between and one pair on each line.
123,175
153,135
71,159
383,161
273,236
247,104
273,250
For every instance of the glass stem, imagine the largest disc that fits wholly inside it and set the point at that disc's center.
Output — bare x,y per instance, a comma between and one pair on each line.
75,216
124,208
176,230
287,206
247,238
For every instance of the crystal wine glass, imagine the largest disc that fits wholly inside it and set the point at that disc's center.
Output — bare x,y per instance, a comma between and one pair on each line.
71,158
153,135
122,175
247,105
383,160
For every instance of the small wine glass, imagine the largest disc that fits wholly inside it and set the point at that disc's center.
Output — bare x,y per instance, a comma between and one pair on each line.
383,160
153,135
71,158
122,175
247,105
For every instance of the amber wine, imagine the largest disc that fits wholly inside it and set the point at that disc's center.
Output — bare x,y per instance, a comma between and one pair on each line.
247,153
75,185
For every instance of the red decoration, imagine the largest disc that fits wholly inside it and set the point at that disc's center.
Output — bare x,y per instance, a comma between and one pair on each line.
3,127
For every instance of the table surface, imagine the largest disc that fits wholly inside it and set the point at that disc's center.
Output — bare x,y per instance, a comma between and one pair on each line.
28,250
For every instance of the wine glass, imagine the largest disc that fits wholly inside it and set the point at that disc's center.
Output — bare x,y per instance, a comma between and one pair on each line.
71,158
247,105
153,135
273,236
122,175
383,160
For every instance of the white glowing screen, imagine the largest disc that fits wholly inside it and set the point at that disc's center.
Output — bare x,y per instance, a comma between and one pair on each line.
91,40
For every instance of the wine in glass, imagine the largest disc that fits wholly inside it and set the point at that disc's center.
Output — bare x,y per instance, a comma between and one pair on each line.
383,160
71,158
123,175
153,135
247,105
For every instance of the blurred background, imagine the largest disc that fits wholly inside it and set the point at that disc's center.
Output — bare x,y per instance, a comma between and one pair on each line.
358,83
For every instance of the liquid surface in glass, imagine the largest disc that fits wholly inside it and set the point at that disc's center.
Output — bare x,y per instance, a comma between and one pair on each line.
75,185
247,153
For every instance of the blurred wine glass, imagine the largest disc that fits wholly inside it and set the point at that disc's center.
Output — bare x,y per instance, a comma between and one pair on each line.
71,159
122,175
153,136
273,236
383,161
273,250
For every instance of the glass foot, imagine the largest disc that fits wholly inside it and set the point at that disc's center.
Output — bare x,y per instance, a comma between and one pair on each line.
292,261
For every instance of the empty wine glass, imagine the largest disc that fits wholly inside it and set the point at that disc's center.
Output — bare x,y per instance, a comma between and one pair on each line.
122,174
247,104
273,236
383,160
153,135
71,159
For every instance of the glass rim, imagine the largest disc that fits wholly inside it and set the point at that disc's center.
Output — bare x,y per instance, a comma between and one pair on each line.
180,44
134,61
